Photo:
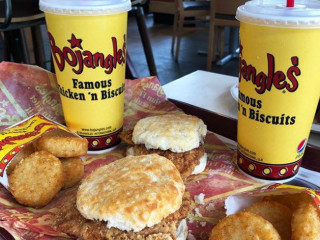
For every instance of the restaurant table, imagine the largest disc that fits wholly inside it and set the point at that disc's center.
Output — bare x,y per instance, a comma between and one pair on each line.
212,92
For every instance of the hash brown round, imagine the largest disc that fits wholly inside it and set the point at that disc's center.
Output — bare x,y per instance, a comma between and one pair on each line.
244,225
73,169
36,179
305,222
290,200
61,146
277,214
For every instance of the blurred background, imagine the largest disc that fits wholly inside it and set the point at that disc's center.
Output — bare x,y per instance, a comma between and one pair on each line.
207,30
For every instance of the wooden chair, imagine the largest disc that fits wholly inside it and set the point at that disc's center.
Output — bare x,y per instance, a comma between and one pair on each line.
138,12
222,14
196,11
15,17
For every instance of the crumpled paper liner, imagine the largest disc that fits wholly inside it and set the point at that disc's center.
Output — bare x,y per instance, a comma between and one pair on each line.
143,97
239,202
26,90
18,141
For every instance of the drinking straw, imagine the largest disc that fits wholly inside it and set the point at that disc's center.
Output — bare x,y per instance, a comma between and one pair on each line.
290,3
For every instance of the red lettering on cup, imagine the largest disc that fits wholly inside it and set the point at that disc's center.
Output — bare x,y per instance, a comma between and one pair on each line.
279,79
77,59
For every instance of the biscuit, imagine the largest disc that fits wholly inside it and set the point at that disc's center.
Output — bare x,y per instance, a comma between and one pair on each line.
174,132
132,193
69,220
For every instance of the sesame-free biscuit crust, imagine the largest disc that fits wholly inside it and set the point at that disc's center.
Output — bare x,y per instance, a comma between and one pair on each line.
70,221
175,132
132,193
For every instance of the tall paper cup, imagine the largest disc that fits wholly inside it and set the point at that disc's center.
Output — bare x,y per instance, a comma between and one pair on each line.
88,46
279,85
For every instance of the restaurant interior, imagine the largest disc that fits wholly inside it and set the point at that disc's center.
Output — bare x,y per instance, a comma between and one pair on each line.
150,32
188,105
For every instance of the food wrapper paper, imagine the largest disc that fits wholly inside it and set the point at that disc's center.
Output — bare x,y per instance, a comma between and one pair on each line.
239,202
143,97
26,90
17,141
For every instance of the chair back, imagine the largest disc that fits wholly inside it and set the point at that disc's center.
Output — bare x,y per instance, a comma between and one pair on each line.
24,12
227,7
179,5
7,8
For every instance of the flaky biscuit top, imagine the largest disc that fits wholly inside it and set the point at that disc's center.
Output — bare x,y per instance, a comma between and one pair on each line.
174,132
132,193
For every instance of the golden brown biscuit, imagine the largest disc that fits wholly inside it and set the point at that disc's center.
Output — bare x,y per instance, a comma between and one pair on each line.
174,132
178,137
277,214
132,193
244,225
73,170
61,146
36,179
70,221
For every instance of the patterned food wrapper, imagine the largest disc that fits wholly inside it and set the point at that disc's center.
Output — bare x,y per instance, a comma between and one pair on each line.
241,201
18,141
143,97
26,90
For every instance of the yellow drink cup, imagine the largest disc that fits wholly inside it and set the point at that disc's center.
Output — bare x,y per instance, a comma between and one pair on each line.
88,46
279,86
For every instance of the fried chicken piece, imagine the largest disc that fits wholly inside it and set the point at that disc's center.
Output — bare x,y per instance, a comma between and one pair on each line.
70,221
185,162
126,137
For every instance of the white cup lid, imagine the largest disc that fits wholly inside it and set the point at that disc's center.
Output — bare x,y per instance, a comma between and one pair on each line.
305,13
85,7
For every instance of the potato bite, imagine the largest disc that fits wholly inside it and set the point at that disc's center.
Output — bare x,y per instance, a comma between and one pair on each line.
36,179
61,146
244,225
73,171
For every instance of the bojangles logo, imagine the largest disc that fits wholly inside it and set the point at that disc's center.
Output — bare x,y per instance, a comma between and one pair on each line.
78,58
278,79
10,140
